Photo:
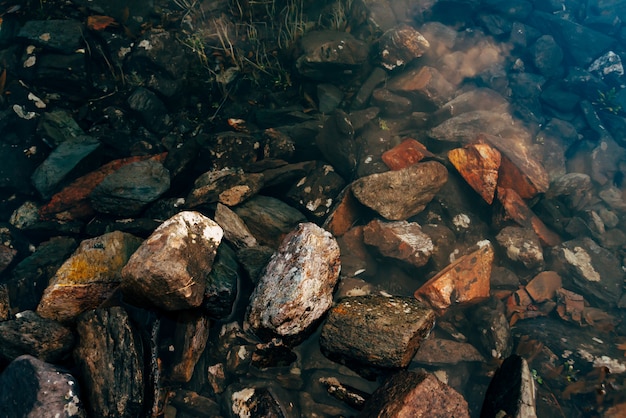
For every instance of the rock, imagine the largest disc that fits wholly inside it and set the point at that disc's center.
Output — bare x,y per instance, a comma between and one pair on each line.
228,186
395,328
337,144
590,270
316,192
259,399
415,394
607,66
523,245
61,162
575,189
328,54
426,87
437,351
401,240
229,149
478,164
88,277
109,354
7,255
254,259
472,100
355,259
222,283
494,333
151,110
372,142
169,269
329,97
391,104
235,230
31,387
64,36
546,55
128,190
193,404
543,286
375,78
464,280
398,195
269,219
511,391
296,287
30,334
5,306
192,332
466,127
344,214
400,45
408,152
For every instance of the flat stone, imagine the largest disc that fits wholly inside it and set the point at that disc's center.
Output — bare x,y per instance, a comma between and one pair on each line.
254,259
407,153
494,332
410,394
437,351
390,104
169,269
426,86
398,195
395,328
316,192
30,334
337,143
481,98
344,213
297,285
88,277
543,286
228,186
191,336
465,280
151,110
109,354
30,387
235,230
230,149
401,240
478,164
222,283
523,245
65,36
466,127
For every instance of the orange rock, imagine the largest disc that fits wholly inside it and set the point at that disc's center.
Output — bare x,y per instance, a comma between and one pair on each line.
465,280
543,286
73,201
407,153
478,164
344,215
516,209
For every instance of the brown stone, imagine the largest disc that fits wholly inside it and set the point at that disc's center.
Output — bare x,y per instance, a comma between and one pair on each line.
344,214
409,394
426,85
478,164
401,240
235,230
465,280
228,186
408,152
466,127
192,331
437,351
543,286
400,45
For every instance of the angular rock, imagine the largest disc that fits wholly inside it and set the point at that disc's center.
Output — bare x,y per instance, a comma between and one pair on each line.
373,141
262,398
411,394
228,186
192,333
151,110
426,86
230,149
296,287
523,245
193,404
316,192
344,214
401,240
390,103
395,328
109,354
408,152
494,333
30,334
65,36
88,277
30,387
590,270
437,351
222,283
575,189
466,127
329,97
254,259
169,269
60,163
398,195
5,306
478,164
336,142
547,55
400,45
7,255
543,286
472,100
128,190
235,230
269,219
465,280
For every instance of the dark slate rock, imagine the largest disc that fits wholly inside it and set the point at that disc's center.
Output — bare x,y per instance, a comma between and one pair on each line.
259,399
376,77
191,336
31,334
228,150
401,240
65,36
109,356
235,230
61,161
329,97
254,259
390,103
511,391
222,283
560,99
151,109
374,140
394,326
494,333
296,287
512,9
316,192
337,144
521,245
130,189
229,186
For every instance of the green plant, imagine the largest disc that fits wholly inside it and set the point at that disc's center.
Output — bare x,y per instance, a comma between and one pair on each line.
607,101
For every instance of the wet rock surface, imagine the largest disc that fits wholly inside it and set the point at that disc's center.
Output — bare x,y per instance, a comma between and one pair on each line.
212,206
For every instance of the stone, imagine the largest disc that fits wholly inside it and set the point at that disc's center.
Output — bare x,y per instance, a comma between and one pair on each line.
575,189
29,387
88,277
543,286
269,219
372,142
61,162
475,99
438,351
190,336
229,149
401,240
151,110
398,195
296,287
128,190
390,104
169,269
478,164
7,255
235,230
408,152
222,283
337,144
589,270
465,280
344,213
395,327
110,355
522,245
194,404
31,334
329,97
316,192
415,394
356,259
465,127
259,398
426,86
400,45
229,186
511,390
64,36
494,333
254,259
546,55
